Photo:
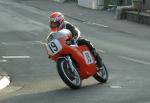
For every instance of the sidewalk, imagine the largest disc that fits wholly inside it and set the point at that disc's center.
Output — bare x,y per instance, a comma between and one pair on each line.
4,79
97,17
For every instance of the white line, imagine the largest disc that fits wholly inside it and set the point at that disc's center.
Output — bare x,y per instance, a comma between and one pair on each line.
22,43
115,86
39,42
92,23
4,82
100,25
2,61
135,60
102,51
15,57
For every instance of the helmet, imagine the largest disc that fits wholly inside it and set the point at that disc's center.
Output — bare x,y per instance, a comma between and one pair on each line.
56,21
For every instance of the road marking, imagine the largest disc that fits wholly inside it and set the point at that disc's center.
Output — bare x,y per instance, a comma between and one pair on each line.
3,60
22,43
100,25
135,60
115,86
92,23
4,82
40,42
15,57
102,51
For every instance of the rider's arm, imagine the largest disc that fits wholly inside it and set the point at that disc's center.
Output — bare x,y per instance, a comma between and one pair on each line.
74,30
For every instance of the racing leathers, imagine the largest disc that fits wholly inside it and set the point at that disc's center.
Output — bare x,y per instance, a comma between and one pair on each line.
81,41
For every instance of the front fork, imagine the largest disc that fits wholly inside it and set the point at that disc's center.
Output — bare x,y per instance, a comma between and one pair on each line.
70,63
72,68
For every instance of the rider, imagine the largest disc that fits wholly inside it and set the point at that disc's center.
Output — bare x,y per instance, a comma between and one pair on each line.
57,22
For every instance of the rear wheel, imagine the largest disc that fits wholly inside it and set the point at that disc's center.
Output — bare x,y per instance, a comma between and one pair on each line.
71,78
102,73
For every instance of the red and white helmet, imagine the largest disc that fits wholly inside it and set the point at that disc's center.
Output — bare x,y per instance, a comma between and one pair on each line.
56,21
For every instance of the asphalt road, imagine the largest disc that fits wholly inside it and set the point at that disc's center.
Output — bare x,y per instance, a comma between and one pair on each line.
34,78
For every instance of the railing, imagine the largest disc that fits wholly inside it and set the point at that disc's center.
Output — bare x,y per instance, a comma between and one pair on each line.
114,3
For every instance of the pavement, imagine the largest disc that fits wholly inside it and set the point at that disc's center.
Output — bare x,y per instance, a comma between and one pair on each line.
102,19
4,79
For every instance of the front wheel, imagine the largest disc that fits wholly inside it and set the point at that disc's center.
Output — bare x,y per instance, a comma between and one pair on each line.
71,78
102,74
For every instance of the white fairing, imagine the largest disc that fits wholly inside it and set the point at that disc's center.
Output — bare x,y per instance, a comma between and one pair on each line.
63,32
88,58
57,35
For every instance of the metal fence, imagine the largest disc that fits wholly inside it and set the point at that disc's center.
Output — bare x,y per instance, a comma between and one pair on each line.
115,3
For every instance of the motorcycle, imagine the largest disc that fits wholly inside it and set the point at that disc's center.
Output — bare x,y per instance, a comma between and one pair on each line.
74,63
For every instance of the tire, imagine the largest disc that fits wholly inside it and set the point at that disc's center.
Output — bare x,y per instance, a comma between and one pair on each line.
102,74
71,79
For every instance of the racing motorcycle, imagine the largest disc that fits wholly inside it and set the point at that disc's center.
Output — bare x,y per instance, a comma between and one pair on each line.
74,63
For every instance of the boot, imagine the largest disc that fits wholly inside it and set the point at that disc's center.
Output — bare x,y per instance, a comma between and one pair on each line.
97,57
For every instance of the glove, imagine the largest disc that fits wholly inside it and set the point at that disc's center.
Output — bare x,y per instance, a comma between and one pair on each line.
49,57
72,41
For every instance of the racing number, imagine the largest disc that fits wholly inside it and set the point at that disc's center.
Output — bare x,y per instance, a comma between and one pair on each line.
53,47
88,57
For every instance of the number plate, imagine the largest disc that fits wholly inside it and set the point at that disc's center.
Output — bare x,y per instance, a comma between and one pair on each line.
88,58
54,47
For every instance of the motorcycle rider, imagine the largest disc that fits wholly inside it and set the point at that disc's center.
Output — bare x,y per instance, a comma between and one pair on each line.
58,22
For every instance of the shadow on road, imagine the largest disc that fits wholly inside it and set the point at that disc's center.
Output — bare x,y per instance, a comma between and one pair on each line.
65,95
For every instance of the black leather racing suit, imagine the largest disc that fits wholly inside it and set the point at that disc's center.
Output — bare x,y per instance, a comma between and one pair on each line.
81,41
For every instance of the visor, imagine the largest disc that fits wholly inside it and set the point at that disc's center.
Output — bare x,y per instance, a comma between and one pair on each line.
53,25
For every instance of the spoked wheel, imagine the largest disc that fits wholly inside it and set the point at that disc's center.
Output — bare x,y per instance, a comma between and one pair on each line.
71,78
102,73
